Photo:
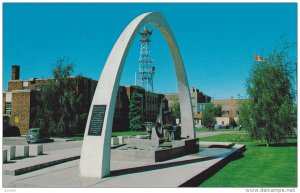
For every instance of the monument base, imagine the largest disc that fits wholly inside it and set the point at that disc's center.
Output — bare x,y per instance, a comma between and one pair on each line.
140,152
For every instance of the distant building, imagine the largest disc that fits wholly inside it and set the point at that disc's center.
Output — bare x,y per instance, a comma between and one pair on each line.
230,109
150,106
198,99
20,99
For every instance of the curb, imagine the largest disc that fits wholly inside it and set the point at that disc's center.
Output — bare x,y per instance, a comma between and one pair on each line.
37,166
200,178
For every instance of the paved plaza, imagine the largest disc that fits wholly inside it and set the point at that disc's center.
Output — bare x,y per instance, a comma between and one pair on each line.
61,167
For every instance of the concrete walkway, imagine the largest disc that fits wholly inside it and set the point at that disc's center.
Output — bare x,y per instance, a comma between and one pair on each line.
50,158
183,171
213,133
25,165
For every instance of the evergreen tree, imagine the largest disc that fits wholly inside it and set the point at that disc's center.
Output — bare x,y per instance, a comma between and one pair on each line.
136,112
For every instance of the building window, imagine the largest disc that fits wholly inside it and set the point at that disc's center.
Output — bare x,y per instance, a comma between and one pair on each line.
225,106
225,113
38,88
201,107
8,108
237,112
25,84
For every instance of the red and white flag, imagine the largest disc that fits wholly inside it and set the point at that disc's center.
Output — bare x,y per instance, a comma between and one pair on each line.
258,58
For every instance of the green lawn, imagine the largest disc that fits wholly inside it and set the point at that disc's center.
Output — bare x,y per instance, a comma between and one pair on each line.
206,130
261,166
128,133
114,134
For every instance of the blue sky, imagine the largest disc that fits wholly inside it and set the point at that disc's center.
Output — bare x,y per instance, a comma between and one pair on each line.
217,41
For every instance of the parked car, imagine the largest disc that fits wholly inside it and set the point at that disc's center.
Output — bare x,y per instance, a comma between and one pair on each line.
220,127
37,135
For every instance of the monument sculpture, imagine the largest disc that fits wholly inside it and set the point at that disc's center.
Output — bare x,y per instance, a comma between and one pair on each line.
96,147
163,142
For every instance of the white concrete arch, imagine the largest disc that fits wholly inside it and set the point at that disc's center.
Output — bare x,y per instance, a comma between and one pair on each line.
95,155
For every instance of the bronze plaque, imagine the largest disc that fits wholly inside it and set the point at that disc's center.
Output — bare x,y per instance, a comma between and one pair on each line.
97,119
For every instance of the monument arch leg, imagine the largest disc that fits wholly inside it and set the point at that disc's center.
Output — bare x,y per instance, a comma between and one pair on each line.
95,153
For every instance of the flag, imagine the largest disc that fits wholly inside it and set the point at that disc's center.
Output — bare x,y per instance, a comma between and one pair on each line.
258,58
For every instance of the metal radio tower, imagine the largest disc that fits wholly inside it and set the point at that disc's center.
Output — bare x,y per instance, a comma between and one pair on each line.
146,68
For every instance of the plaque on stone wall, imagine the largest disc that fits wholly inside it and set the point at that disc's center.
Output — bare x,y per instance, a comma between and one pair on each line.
97,119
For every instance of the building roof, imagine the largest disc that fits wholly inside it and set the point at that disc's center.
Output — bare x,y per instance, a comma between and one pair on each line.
31,79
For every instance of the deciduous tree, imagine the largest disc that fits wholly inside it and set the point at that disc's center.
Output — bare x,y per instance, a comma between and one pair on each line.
232,122
209,117
270,113
218,110
61,105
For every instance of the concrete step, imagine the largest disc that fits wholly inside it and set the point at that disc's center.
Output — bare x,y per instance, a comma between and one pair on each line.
17,167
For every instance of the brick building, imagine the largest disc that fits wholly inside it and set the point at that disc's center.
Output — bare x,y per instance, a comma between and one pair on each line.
150,106
20,99
229,106
198,99
229,109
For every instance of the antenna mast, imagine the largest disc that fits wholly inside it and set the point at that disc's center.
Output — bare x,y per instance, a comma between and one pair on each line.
146,67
